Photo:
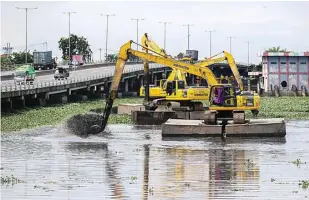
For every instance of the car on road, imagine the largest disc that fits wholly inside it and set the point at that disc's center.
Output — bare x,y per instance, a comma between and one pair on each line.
61,73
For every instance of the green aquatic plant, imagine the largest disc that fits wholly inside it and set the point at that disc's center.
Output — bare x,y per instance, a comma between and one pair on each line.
304,184
50,115
6,180
298,162
283,107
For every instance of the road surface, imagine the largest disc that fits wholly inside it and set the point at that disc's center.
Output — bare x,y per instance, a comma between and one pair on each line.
82,73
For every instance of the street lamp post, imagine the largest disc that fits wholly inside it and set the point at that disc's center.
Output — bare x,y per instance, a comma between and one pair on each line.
100,55
69,13
248,51
249,88
231,37
26,9
210,41
106,34
165,32
188,25
137,30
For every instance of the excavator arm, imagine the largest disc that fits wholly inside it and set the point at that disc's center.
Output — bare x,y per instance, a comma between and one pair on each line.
123,55
231,62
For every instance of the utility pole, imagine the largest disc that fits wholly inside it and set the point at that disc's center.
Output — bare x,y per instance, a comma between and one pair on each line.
249,80
100,55
188,25
26,9
210,41
45,45
8,49
106,34
165,32
231,37
137,30
69,13
248,51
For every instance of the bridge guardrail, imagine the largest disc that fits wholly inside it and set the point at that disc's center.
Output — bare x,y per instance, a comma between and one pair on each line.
42,84
48,72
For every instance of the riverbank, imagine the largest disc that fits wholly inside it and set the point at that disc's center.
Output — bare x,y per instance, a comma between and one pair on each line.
282,107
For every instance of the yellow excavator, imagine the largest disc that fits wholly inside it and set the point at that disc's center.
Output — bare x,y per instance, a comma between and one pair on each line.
157,92
225,102
178,76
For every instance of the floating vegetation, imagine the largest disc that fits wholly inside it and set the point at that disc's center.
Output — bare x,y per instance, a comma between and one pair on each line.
150,190
133,178
298,162
283,107
50,115
7,180
304,184
249,164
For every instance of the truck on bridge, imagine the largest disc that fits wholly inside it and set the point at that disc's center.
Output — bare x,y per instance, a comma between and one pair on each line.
43,60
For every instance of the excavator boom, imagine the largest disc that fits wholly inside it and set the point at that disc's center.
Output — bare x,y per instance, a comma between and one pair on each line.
231,62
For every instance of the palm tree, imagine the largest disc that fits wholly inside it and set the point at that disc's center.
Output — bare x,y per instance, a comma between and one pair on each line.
276,49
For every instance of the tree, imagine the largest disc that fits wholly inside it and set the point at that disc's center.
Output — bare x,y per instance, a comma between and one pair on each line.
20,58
112,57
276,49
78,46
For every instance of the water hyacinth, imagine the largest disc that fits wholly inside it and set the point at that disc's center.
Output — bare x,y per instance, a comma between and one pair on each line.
281,107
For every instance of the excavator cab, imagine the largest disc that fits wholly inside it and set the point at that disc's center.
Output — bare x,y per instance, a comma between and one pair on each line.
222,95
173,86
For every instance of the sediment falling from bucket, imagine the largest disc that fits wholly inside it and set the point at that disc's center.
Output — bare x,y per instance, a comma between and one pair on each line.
81,124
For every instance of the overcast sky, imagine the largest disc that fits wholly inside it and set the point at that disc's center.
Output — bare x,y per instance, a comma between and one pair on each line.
265,24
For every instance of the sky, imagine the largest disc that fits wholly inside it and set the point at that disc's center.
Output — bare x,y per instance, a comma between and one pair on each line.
264,24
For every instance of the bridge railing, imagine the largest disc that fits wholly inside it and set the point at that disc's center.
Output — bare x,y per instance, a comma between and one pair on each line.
41,84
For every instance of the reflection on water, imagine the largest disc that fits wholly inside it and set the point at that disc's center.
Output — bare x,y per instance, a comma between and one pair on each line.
136,163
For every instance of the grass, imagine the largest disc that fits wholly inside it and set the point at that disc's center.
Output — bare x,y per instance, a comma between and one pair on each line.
282,107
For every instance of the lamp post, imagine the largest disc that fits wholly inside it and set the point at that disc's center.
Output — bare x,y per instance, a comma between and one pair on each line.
106,34
249,88
100,55
165,32
69,13
188,25
231,37
26,9
137,30
210,41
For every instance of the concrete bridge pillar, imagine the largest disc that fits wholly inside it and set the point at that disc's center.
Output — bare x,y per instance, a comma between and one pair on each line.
155,79
23,101
41,102
142,81
131,84
126,85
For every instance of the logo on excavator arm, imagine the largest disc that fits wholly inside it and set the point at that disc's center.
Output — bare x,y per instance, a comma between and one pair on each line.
180,66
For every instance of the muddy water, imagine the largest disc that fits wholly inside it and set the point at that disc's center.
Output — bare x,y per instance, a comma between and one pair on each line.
136,163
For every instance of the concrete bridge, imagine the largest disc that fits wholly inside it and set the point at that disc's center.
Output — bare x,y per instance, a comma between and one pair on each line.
83,84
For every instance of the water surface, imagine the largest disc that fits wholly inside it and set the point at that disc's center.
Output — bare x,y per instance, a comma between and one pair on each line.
134,162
